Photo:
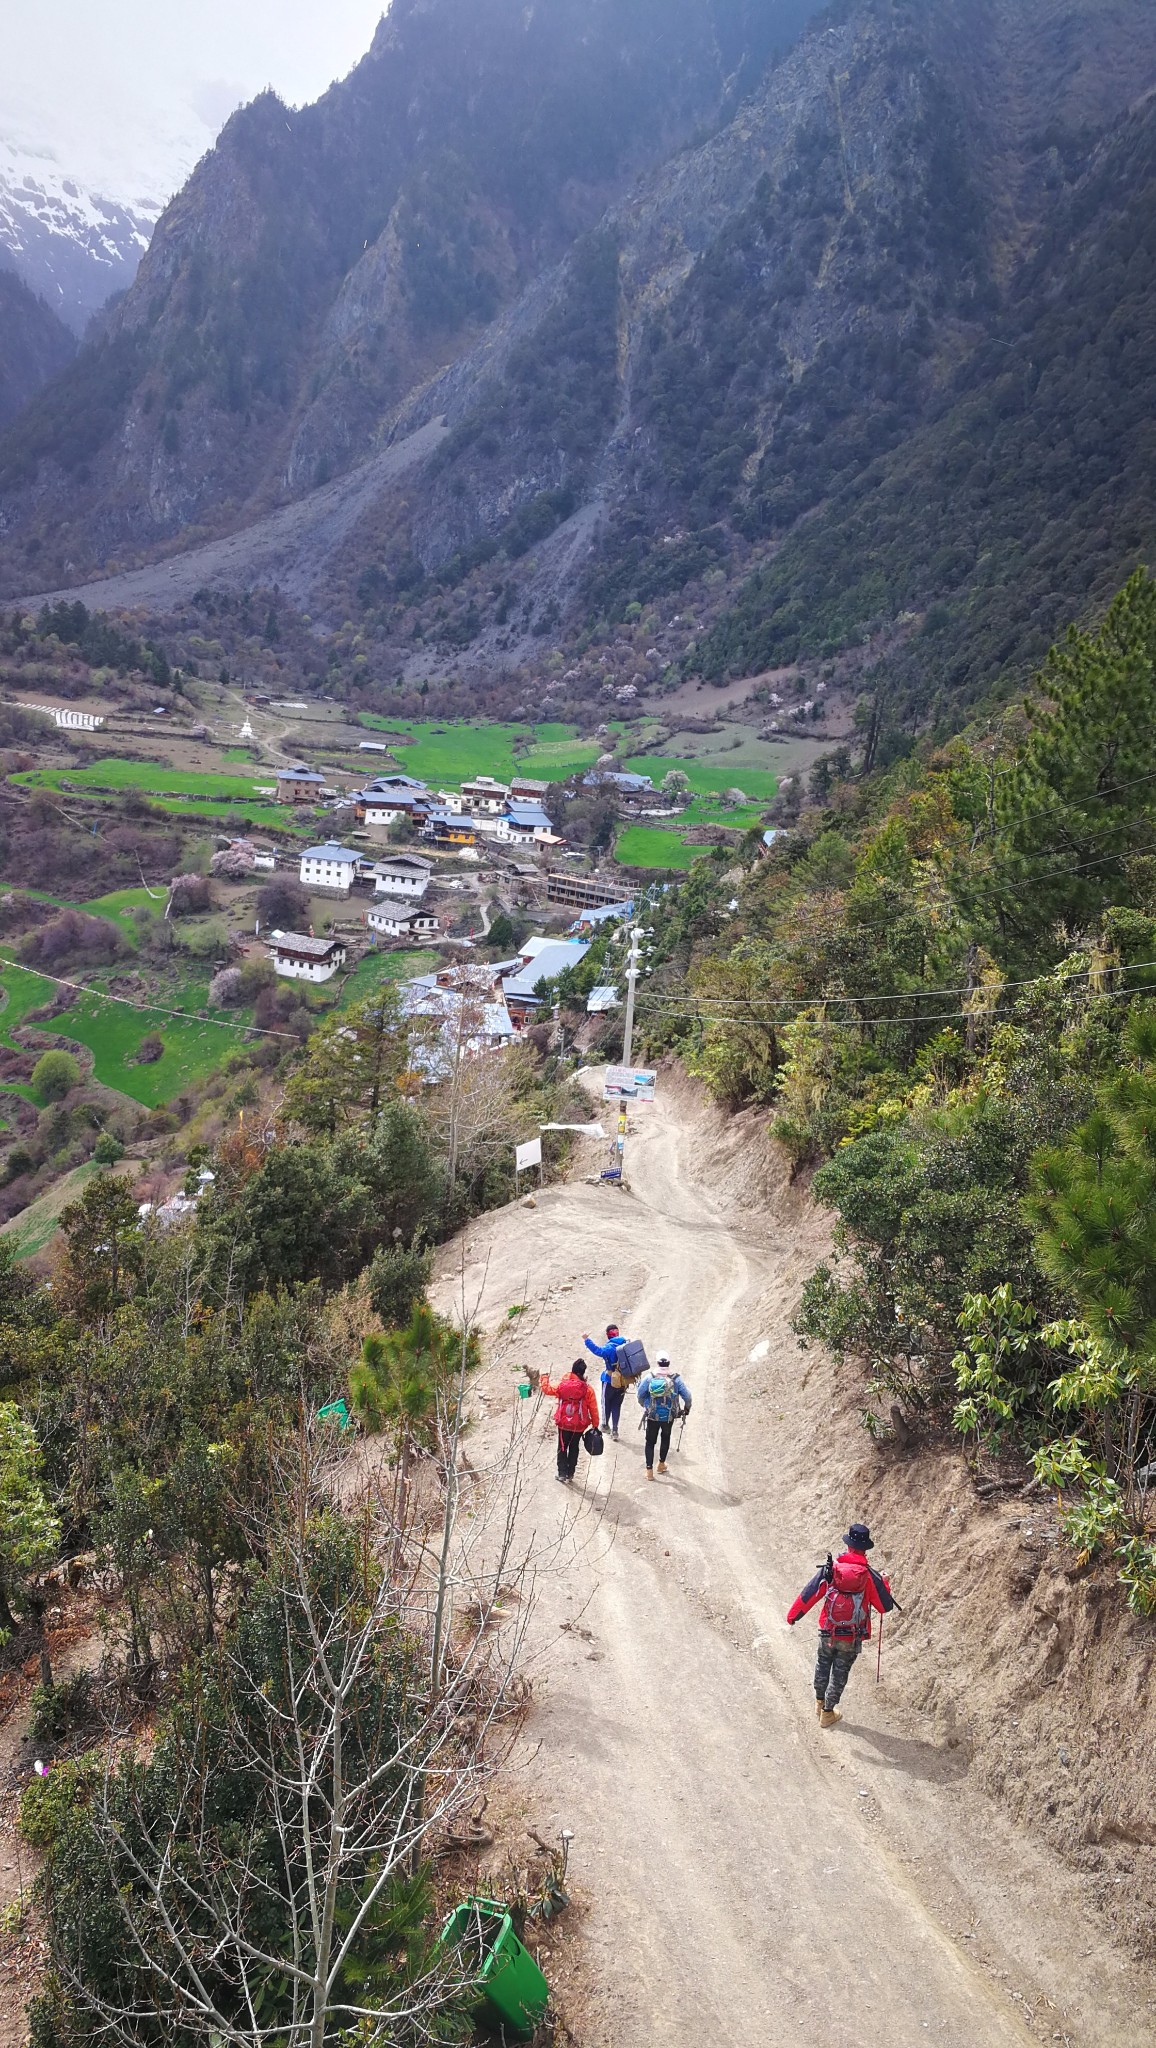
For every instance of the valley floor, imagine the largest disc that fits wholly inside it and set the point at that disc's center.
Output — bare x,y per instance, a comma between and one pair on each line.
741,1877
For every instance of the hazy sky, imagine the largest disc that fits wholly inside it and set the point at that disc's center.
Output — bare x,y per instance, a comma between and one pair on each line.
129,93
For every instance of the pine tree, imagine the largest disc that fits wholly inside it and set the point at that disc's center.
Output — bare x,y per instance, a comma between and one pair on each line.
1081,800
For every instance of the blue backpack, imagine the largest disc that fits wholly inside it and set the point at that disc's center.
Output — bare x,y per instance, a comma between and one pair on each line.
661,1398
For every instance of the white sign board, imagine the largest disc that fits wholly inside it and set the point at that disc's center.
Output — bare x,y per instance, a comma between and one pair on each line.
630,1084
528,1155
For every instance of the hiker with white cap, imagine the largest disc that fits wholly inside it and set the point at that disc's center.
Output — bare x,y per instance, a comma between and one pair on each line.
664,1398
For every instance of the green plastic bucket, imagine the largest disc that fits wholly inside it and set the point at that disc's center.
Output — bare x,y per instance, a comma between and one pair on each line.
335,1411
505,1973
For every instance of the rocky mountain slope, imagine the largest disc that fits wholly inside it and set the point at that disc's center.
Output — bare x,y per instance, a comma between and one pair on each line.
34,345
685,300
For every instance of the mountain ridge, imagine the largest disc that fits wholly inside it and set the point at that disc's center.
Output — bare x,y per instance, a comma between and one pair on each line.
677,359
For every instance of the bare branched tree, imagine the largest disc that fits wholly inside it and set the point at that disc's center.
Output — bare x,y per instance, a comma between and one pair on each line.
258,1878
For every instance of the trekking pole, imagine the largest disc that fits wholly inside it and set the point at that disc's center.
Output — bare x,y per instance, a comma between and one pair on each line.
682,1428
879,1658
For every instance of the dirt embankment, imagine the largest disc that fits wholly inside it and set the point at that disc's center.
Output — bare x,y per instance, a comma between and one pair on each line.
1027,1665
744,1877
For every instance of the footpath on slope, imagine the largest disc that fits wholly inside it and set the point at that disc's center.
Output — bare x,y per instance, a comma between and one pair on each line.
743,1879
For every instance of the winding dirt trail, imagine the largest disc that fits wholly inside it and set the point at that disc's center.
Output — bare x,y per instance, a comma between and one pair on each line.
745,1880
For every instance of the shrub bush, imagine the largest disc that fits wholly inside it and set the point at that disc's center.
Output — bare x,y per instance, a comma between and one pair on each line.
89,941
227,988
189,895
48,1803
54,1074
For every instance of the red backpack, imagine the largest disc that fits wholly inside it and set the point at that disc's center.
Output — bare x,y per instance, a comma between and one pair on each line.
845,1614
572,1412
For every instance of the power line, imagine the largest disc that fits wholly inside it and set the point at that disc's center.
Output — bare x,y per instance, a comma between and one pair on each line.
896,995
732,1013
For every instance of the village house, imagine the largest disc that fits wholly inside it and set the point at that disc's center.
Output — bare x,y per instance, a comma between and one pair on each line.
329,870
299,785
443,830
540,959
469,1018
606,913
397,920
389,808
583,892
298,956
526,825
630,790
525,790
398,783
402,874
483,795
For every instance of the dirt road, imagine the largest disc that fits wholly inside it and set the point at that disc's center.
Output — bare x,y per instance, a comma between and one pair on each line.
745,1878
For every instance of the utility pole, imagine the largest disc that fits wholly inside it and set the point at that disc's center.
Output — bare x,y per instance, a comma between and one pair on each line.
631,984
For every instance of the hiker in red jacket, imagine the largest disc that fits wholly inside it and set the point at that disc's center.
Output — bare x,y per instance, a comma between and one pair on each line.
849,1590
577,1411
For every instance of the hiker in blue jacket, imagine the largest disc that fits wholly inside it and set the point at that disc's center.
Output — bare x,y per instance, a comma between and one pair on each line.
613,1378
663,1398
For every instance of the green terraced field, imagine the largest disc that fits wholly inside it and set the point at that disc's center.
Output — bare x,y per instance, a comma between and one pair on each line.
114,774
119,905
654,846
112,1031
174,789
447,756
378,967
648,846
709,774
31,1230
22,991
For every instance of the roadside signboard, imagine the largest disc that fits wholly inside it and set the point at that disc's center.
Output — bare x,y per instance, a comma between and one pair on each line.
630,1084
528,1155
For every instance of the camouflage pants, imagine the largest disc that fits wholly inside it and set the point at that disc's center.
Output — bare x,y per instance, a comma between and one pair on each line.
833,1669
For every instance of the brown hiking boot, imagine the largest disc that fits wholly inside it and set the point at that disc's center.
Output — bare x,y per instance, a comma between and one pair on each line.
650,1472
661,1466
829,1717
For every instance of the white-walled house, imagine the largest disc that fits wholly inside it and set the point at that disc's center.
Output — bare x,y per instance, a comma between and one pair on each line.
402,874
298,956
484,794
392,807
328,870
527,825
397,920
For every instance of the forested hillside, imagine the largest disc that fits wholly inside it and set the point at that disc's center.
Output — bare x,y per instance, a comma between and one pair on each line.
34,345
940,981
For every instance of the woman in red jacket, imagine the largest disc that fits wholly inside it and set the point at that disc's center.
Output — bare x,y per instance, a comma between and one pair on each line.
576,1412
849,1590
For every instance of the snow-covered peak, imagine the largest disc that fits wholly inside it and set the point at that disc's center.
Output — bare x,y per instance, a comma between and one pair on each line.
79,197
72,246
